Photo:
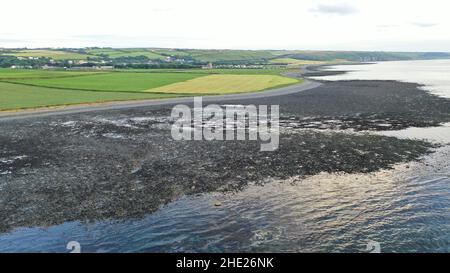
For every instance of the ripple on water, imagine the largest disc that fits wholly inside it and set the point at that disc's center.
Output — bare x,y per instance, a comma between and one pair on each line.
405,210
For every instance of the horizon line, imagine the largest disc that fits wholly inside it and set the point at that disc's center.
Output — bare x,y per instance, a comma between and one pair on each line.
229,49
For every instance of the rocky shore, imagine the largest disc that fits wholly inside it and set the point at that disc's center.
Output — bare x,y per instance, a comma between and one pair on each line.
124,163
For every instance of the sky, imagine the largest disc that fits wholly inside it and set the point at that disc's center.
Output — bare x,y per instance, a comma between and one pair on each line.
382,25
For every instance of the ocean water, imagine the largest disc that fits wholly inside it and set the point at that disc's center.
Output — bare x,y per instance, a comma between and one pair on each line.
433,74
406,209
403,210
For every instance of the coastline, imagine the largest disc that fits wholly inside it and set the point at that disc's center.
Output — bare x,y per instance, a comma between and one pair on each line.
121,163
127,154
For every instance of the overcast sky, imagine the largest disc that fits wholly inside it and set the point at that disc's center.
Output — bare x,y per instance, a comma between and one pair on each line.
398,25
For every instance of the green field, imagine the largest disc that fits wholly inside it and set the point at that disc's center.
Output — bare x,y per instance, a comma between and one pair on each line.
17,96
230,55
115,81
117,53
294,62
266,71
15,74
53,54
21,89
171,52
240,71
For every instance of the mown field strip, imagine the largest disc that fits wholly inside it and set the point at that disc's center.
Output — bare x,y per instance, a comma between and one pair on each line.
225,84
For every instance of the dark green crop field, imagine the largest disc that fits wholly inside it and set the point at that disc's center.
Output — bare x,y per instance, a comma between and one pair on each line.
115,81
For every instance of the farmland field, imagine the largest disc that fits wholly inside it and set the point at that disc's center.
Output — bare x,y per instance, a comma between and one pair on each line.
117,53
171,52
294,62
53,54
230,55
223,84
243,71
125,82
40,88
233,71
15,74
16,96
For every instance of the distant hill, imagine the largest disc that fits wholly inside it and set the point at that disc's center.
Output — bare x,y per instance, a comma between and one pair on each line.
364,56
199,57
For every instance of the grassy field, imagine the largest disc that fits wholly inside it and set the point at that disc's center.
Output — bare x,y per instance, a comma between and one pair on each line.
244,71
15,74
21,89
199,55
53,54
17,96
230,55
236,71
117,53
294,62
225,84
115,81
171,52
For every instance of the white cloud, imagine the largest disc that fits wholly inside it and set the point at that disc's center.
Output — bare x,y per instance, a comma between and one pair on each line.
388,26
337,9
249,24
424,24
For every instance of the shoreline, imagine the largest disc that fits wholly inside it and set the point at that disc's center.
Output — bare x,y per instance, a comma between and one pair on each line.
122,163
275,204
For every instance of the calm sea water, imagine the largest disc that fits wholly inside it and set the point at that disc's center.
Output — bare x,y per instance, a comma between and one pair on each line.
403,210
433,74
